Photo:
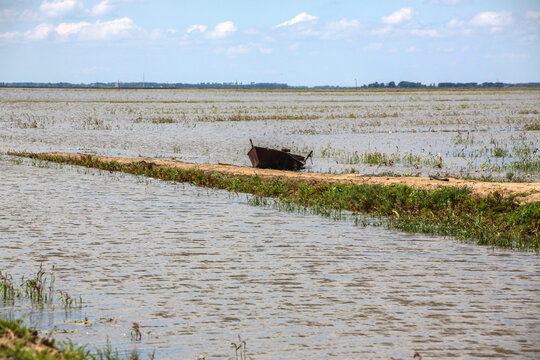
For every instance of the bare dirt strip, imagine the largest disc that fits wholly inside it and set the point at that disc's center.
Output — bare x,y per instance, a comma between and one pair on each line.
528,192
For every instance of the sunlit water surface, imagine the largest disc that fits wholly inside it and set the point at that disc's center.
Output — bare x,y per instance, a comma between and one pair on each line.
424,132
198,267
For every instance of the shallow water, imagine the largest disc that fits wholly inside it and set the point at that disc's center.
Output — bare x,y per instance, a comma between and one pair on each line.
464,127
196,267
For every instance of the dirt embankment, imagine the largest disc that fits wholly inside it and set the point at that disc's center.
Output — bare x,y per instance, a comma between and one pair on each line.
529,192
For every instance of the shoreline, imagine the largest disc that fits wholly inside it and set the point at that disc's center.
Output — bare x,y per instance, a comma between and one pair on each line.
493,214
525,192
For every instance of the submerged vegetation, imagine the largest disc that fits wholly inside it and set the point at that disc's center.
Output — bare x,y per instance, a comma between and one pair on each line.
450,211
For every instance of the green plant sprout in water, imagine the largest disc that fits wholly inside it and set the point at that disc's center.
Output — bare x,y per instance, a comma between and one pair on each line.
7,287
39,289
240,348
136,334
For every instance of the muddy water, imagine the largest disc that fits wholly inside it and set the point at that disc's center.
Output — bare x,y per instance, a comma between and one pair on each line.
466,128
197,267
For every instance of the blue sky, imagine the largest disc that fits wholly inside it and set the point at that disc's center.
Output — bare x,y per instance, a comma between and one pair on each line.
304,42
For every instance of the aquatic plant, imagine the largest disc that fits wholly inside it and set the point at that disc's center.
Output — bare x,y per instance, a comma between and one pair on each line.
136,334
240,348
38,289
7,288
163,120
532,127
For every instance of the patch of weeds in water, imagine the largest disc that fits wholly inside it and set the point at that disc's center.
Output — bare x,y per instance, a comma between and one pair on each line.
376,158
8,288
15,161
240,349
91,123
526,112
500,152
136,334
27,124
491,220
38,289
247,117
163,120
529,165
532,127
466,139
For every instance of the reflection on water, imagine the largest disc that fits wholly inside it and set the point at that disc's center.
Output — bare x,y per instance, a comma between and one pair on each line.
197,267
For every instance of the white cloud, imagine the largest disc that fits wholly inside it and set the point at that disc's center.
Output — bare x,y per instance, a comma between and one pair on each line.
40,32
66,29
492,18
222,30
83,30
455,23
56,8
91,70
446,2
109,29
29,15
8,36
341,28
237,50
7,14
196,27
532,15
446,50
372,47
413,49
293,47
263,50
514,57
302,17
425,32
399,16
382,31
104,7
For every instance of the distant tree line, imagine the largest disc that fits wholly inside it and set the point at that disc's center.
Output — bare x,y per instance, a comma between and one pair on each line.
253,85
410,84
151,85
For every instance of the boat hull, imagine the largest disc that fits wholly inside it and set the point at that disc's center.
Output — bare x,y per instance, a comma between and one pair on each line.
265,158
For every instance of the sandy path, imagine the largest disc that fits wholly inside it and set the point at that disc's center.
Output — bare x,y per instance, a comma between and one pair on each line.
532,190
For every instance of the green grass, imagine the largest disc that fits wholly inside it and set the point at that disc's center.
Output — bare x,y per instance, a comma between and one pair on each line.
450,211
23,343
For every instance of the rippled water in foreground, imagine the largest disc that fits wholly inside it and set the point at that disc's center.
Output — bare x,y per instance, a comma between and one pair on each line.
197,267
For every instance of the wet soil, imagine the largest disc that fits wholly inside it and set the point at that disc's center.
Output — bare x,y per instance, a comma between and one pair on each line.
526,192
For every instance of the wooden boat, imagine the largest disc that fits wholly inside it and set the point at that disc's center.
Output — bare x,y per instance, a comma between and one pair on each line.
266,158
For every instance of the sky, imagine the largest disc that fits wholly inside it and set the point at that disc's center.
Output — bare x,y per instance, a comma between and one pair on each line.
299,42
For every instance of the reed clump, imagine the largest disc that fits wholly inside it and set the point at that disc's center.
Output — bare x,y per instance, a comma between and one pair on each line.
450,211
38,289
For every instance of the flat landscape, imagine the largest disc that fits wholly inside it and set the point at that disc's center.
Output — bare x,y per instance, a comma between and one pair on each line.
194,267
485,134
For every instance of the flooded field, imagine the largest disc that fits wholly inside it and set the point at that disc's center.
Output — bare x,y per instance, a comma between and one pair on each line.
197,267
475,133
